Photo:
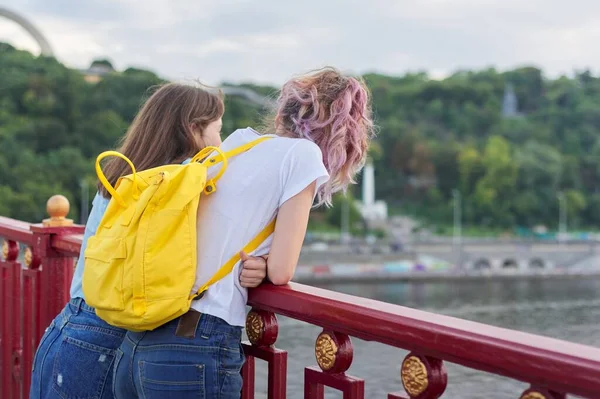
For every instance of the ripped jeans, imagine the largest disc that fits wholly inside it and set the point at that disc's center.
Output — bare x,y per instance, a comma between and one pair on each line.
75,356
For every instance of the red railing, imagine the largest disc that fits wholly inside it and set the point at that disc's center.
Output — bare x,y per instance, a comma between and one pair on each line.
34,293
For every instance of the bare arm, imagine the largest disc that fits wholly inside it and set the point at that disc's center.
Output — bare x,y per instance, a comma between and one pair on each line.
292,221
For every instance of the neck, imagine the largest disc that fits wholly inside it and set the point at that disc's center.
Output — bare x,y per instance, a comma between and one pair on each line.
284,133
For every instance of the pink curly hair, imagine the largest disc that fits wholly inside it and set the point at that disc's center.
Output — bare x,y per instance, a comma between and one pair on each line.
334,112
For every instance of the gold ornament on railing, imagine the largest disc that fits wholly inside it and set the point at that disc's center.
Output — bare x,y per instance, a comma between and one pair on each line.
30,260
325,351
4,250
533,395
261,327
334,352
27,256
254,327
10,250
57,208
414,376
423,376
542,393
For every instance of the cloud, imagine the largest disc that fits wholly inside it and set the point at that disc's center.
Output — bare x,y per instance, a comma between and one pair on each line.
270,40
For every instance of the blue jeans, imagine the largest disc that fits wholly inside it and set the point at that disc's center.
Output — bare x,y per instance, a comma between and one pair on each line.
75,356
161,364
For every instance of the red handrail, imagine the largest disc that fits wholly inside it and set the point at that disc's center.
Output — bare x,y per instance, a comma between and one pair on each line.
15,230
549,362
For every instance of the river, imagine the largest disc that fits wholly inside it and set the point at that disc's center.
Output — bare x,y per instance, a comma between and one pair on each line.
564,309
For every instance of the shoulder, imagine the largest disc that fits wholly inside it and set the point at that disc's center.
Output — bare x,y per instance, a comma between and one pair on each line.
239,137
288,149
100,201
307,147
302,166
99,205
303,150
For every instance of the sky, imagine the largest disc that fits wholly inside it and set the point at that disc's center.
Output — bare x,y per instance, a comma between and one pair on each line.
268,41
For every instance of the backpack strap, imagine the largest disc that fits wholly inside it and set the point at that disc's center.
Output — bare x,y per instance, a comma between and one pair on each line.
221,157
230,264
237,151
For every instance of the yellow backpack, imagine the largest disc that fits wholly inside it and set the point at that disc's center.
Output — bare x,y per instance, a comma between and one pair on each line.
140,267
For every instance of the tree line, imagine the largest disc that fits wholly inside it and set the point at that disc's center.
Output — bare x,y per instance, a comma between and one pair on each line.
437,139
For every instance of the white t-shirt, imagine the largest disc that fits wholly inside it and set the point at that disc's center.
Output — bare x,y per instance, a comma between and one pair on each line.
254,186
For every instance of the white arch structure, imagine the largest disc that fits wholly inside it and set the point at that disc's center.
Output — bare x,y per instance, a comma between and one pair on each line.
45,47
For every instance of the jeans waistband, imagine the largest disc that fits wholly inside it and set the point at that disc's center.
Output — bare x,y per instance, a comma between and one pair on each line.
207,323
79,304
206,326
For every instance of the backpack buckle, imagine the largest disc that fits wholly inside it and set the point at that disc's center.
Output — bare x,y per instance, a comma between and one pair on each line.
210,187
199,296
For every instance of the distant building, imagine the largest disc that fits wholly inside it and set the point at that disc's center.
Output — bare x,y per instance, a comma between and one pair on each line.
510,103
370,209
97,71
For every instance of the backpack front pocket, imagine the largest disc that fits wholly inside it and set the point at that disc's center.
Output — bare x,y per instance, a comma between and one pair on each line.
103,273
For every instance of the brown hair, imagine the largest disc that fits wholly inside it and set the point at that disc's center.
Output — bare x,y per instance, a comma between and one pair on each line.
163,130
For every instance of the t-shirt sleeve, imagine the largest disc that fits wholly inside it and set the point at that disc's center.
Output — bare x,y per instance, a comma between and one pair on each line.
302,166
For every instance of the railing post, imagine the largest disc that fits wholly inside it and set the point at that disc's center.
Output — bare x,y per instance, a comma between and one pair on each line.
31,326
57,269
10,312
262,330
423,377
334,354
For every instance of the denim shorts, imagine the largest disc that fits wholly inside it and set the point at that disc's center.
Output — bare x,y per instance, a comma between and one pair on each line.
160,364
75,356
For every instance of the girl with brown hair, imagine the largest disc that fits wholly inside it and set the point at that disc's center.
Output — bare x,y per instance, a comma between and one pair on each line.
75,356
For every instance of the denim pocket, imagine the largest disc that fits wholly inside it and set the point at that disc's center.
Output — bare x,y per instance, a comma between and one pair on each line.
160,380
81,369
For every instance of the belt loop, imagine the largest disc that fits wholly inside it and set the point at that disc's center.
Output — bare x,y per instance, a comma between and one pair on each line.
209,324
76,302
